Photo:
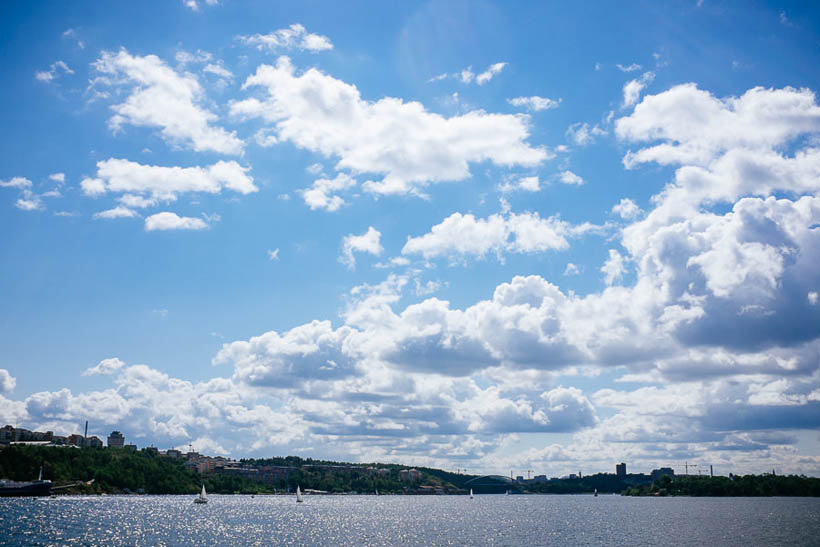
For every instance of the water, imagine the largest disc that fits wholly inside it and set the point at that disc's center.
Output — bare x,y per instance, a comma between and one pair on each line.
409,520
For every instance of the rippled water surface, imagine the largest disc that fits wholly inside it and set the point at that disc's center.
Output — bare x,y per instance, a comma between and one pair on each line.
409,520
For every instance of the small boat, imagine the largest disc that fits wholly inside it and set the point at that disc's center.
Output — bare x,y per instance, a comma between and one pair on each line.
39,487
202,497
298,495
471,493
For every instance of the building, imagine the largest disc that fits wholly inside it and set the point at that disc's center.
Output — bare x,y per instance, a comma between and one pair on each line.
116,440
410,475
620,470
6,434
76,440
94,442
658,473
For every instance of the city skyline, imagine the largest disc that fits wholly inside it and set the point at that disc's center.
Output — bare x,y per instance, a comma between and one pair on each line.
442,233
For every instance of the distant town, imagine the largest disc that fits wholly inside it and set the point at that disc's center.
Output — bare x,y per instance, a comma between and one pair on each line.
270,474
117,467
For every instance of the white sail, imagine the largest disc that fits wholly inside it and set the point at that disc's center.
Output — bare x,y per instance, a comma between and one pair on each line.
471,493
298,495
202,497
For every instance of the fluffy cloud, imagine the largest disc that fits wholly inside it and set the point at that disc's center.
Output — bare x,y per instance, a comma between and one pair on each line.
492,70
105,367
218,70
535,103
628,68
293,37
29,202
459,236
116,212
408,145
695,127
172,221
193,5
525,184
467,76
626,209
582,134
56,69
16,182
633,88
162,98
321,195
614,267
7,381
165,183
305,353
368,242
568,177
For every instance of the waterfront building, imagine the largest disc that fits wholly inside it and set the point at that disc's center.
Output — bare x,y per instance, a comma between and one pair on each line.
658,473
6,434
94,442
620,470
116,440
409,475
76,440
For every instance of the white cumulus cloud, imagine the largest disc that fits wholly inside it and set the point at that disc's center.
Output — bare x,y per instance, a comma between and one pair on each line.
53,72
535,103
633,88
163,98
7,381
368,242
568,177
171,221
295,36
105,367
161,183
459,236
409,146
116,212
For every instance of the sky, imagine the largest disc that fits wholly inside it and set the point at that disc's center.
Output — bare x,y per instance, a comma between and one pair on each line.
475,235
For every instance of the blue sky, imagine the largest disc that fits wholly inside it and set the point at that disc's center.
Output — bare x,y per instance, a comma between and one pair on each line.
462,234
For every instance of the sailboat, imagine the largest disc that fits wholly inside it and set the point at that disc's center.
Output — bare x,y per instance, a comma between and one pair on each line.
298,495
202,497
377,491
471,493
596,492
